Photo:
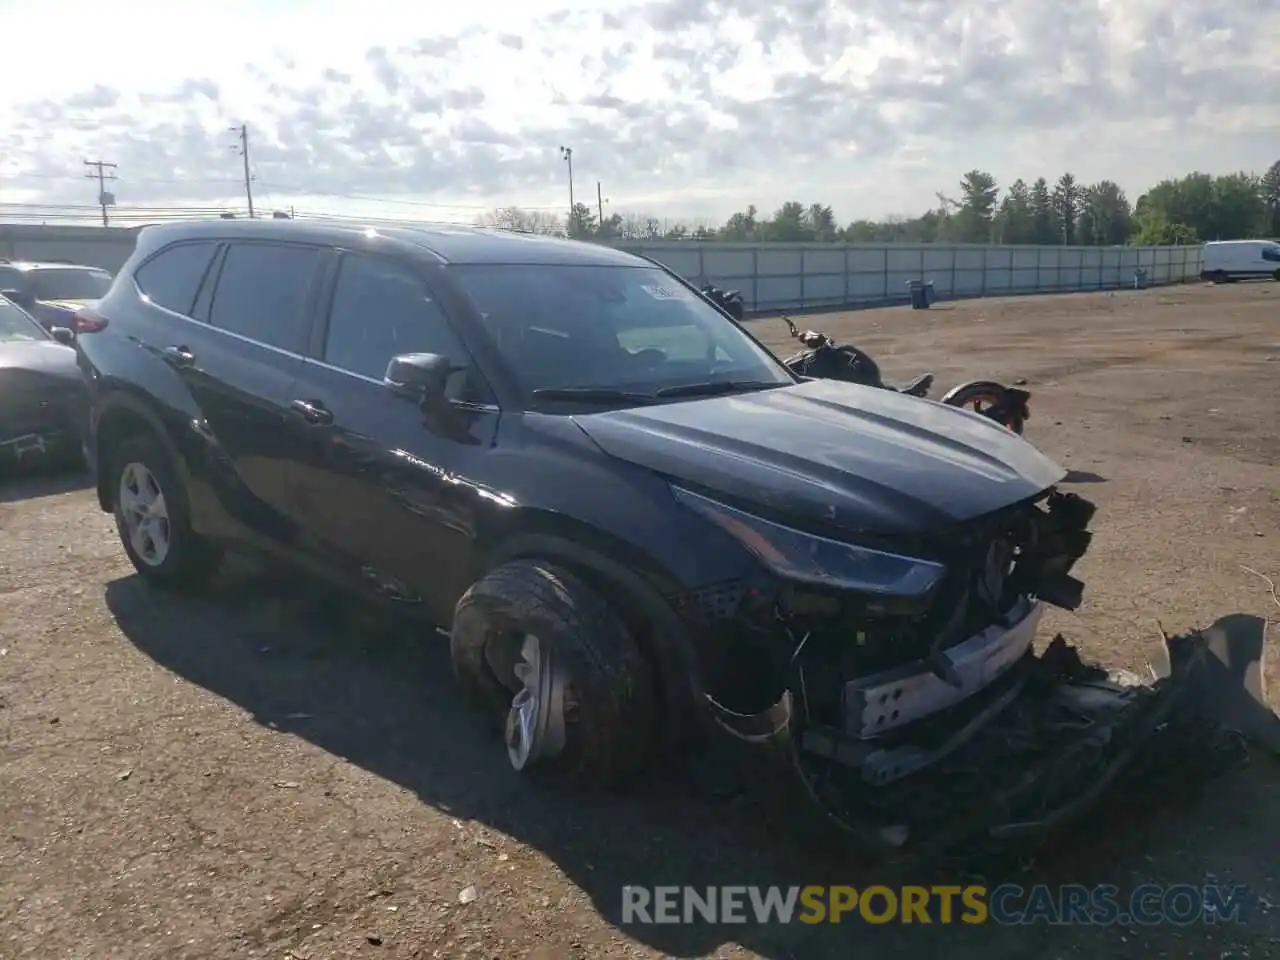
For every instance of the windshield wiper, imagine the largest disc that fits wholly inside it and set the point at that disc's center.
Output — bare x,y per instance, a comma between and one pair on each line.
604,395
710,388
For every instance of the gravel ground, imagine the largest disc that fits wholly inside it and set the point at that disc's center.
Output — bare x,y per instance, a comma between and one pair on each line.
245,775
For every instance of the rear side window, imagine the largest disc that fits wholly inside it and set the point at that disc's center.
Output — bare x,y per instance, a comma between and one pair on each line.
69,283
172,278
262,293
10,279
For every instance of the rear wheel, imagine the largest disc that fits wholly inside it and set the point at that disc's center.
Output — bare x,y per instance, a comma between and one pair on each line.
153,517
546,659
990,399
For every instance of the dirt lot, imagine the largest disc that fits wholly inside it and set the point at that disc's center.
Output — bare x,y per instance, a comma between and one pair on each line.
236,776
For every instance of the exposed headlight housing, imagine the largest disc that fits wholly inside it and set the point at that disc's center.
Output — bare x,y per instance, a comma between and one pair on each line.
806,558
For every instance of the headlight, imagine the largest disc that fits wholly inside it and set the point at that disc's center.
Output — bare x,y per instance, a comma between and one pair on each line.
801,556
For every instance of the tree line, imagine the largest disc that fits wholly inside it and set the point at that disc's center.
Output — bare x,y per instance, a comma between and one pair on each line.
1186,210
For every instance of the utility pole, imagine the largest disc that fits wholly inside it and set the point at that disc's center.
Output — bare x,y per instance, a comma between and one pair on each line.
243,130
599,204
104,199
567,153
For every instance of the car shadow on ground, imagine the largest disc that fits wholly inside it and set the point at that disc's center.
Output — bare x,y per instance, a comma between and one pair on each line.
1083,476
32,483
381,695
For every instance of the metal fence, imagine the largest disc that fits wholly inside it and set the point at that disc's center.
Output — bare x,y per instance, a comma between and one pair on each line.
794,276
782,276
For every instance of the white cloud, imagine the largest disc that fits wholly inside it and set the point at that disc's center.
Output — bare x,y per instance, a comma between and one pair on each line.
680,107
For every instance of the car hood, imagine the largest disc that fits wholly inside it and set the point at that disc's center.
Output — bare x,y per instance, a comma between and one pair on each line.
857,458
39,357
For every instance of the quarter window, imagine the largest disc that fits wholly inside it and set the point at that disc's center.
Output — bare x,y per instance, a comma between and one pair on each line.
382,309
172,278
262,293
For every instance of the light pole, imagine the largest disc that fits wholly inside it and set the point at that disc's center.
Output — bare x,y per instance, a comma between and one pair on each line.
567,153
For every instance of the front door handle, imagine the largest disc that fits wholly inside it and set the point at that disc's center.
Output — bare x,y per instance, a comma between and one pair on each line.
313,411
179,356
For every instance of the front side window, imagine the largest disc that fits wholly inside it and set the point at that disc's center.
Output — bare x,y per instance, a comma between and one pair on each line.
382,309
16,325
262,293
71,283
635,329
1271,253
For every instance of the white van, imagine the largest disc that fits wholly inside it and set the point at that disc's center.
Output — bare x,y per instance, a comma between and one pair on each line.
1226,260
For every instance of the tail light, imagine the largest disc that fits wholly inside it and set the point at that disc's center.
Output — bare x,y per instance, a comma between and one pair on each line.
88,320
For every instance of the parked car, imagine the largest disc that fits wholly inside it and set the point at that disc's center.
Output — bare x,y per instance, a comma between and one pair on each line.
52,291
1225,261
635,524
43,397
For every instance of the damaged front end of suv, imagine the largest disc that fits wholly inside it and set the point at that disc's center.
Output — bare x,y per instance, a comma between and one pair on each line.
896,693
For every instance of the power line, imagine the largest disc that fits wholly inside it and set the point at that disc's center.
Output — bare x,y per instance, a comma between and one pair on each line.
104,199
397,201
291,190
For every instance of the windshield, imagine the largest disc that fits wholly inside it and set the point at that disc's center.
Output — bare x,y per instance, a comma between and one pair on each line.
53,283
633,329
16,325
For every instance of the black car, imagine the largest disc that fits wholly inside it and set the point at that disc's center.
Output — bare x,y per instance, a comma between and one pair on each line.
52,291
634,522
43,397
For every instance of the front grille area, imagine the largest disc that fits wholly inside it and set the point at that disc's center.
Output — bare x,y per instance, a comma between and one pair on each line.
25,414
766,635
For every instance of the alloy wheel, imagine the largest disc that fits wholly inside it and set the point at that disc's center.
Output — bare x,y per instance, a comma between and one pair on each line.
144,514
535,728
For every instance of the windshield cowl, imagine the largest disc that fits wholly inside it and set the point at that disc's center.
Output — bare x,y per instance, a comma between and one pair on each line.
612,397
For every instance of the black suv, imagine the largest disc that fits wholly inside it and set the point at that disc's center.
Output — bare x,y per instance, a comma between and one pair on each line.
626,512
52,291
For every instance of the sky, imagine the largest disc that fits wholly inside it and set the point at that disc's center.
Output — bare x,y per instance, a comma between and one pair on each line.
678,108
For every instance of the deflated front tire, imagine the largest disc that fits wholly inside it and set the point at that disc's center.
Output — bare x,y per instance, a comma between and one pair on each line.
547,660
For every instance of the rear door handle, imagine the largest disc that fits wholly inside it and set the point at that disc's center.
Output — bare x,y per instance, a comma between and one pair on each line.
313,411
179,356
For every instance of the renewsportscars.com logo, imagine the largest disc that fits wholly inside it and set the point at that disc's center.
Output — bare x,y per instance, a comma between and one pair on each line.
1008,904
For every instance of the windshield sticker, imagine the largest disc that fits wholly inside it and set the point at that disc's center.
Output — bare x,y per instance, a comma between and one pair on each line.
665,293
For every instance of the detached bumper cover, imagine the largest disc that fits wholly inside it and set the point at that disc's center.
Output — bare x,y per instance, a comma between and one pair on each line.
1012,756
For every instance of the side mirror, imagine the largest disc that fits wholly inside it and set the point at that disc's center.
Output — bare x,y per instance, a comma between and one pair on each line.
63,335
22,299
419,376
